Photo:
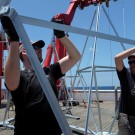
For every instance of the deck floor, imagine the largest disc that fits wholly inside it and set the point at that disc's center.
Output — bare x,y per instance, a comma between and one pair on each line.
107,112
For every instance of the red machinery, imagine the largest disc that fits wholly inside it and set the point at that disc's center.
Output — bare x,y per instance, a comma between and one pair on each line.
2,48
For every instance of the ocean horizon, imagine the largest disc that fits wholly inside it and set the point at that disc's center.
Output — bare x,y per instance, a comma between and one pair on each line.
94,88
87,88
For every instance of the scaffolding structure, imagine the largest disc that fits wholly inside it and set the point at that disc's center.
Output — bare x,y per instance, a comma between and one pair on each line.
18,21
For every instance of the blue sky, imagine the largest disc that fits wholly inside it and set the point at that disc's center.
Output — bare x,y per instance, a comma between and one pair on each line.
121,14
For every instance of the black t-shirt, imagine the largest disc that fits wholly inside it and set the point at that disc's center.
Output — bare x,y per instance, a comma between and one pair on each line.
127,102
33,112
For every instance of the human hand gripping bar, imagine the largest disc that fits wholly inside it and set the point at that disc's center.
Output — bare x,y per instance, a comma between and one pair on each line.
58,33
9,28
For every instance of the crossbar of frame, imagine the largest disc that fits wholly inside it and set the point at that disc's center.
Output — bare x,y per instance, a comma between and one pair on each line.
52,25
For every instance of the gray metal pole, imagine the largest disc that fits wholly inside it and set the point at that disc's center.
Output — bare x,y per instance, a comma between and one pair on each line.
84,47
4,2
52,25
92,73
97,96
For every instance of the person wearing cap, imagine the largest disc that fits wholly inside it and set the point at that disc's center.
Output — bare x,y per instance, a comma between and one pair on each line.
33,114
38,45
126,118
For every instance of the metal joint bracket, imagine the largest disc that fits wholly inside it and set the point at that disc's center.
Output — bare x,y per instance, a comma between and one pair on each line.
4,10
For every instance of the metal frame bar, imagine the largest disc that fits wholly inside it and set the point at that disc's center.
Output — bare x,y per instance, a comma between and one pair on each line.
52,25
4,2
92,73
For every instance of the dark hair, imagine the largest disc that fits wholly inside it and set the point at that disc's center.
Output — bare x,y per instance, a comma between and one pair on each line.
130,56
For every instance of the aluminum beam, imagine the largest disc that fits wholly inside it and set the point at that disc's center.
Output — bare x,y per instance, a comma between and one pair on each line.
4,2
52,25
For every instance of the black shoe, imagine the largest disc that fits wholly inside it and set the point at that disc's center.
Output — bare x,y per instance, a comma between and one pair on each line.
9,28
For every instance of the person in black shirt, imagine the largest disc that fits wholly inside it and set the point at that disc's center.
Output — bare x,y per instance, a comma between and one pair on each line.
33,114
126,120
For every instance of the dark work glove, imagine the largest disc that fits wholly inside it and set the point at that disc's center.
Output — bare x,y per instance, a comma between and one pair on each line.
9,28
58,33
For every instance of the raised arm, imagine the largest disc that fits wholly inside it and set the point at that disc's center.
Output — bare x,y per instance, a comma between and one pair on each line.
121,56
73,56
12,67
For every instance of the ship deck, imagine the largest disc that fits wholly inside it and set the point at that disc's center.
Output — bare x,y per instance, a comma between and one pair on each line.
76,117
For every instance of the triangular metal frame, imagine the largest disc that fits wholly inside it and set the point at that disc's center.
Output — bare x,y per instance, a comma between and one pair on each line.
93,76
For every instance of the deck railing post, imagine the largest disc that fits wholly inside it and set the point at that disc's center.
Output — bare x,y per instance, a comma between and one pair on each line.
116,98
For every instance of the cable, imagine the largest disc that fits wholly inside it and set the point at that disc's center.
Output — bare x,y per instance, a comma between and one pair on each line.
123,16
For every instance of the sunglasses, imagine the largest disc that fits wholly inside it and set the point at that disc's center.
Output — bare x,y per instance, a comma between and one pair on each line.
131,62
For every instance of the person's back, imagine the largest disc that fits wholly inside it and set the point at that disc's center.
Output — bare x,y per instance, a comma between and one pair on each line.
34,112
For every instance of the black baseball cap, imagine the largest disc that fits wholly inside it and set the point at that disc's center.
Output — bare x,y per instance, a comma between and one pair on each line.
39,44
